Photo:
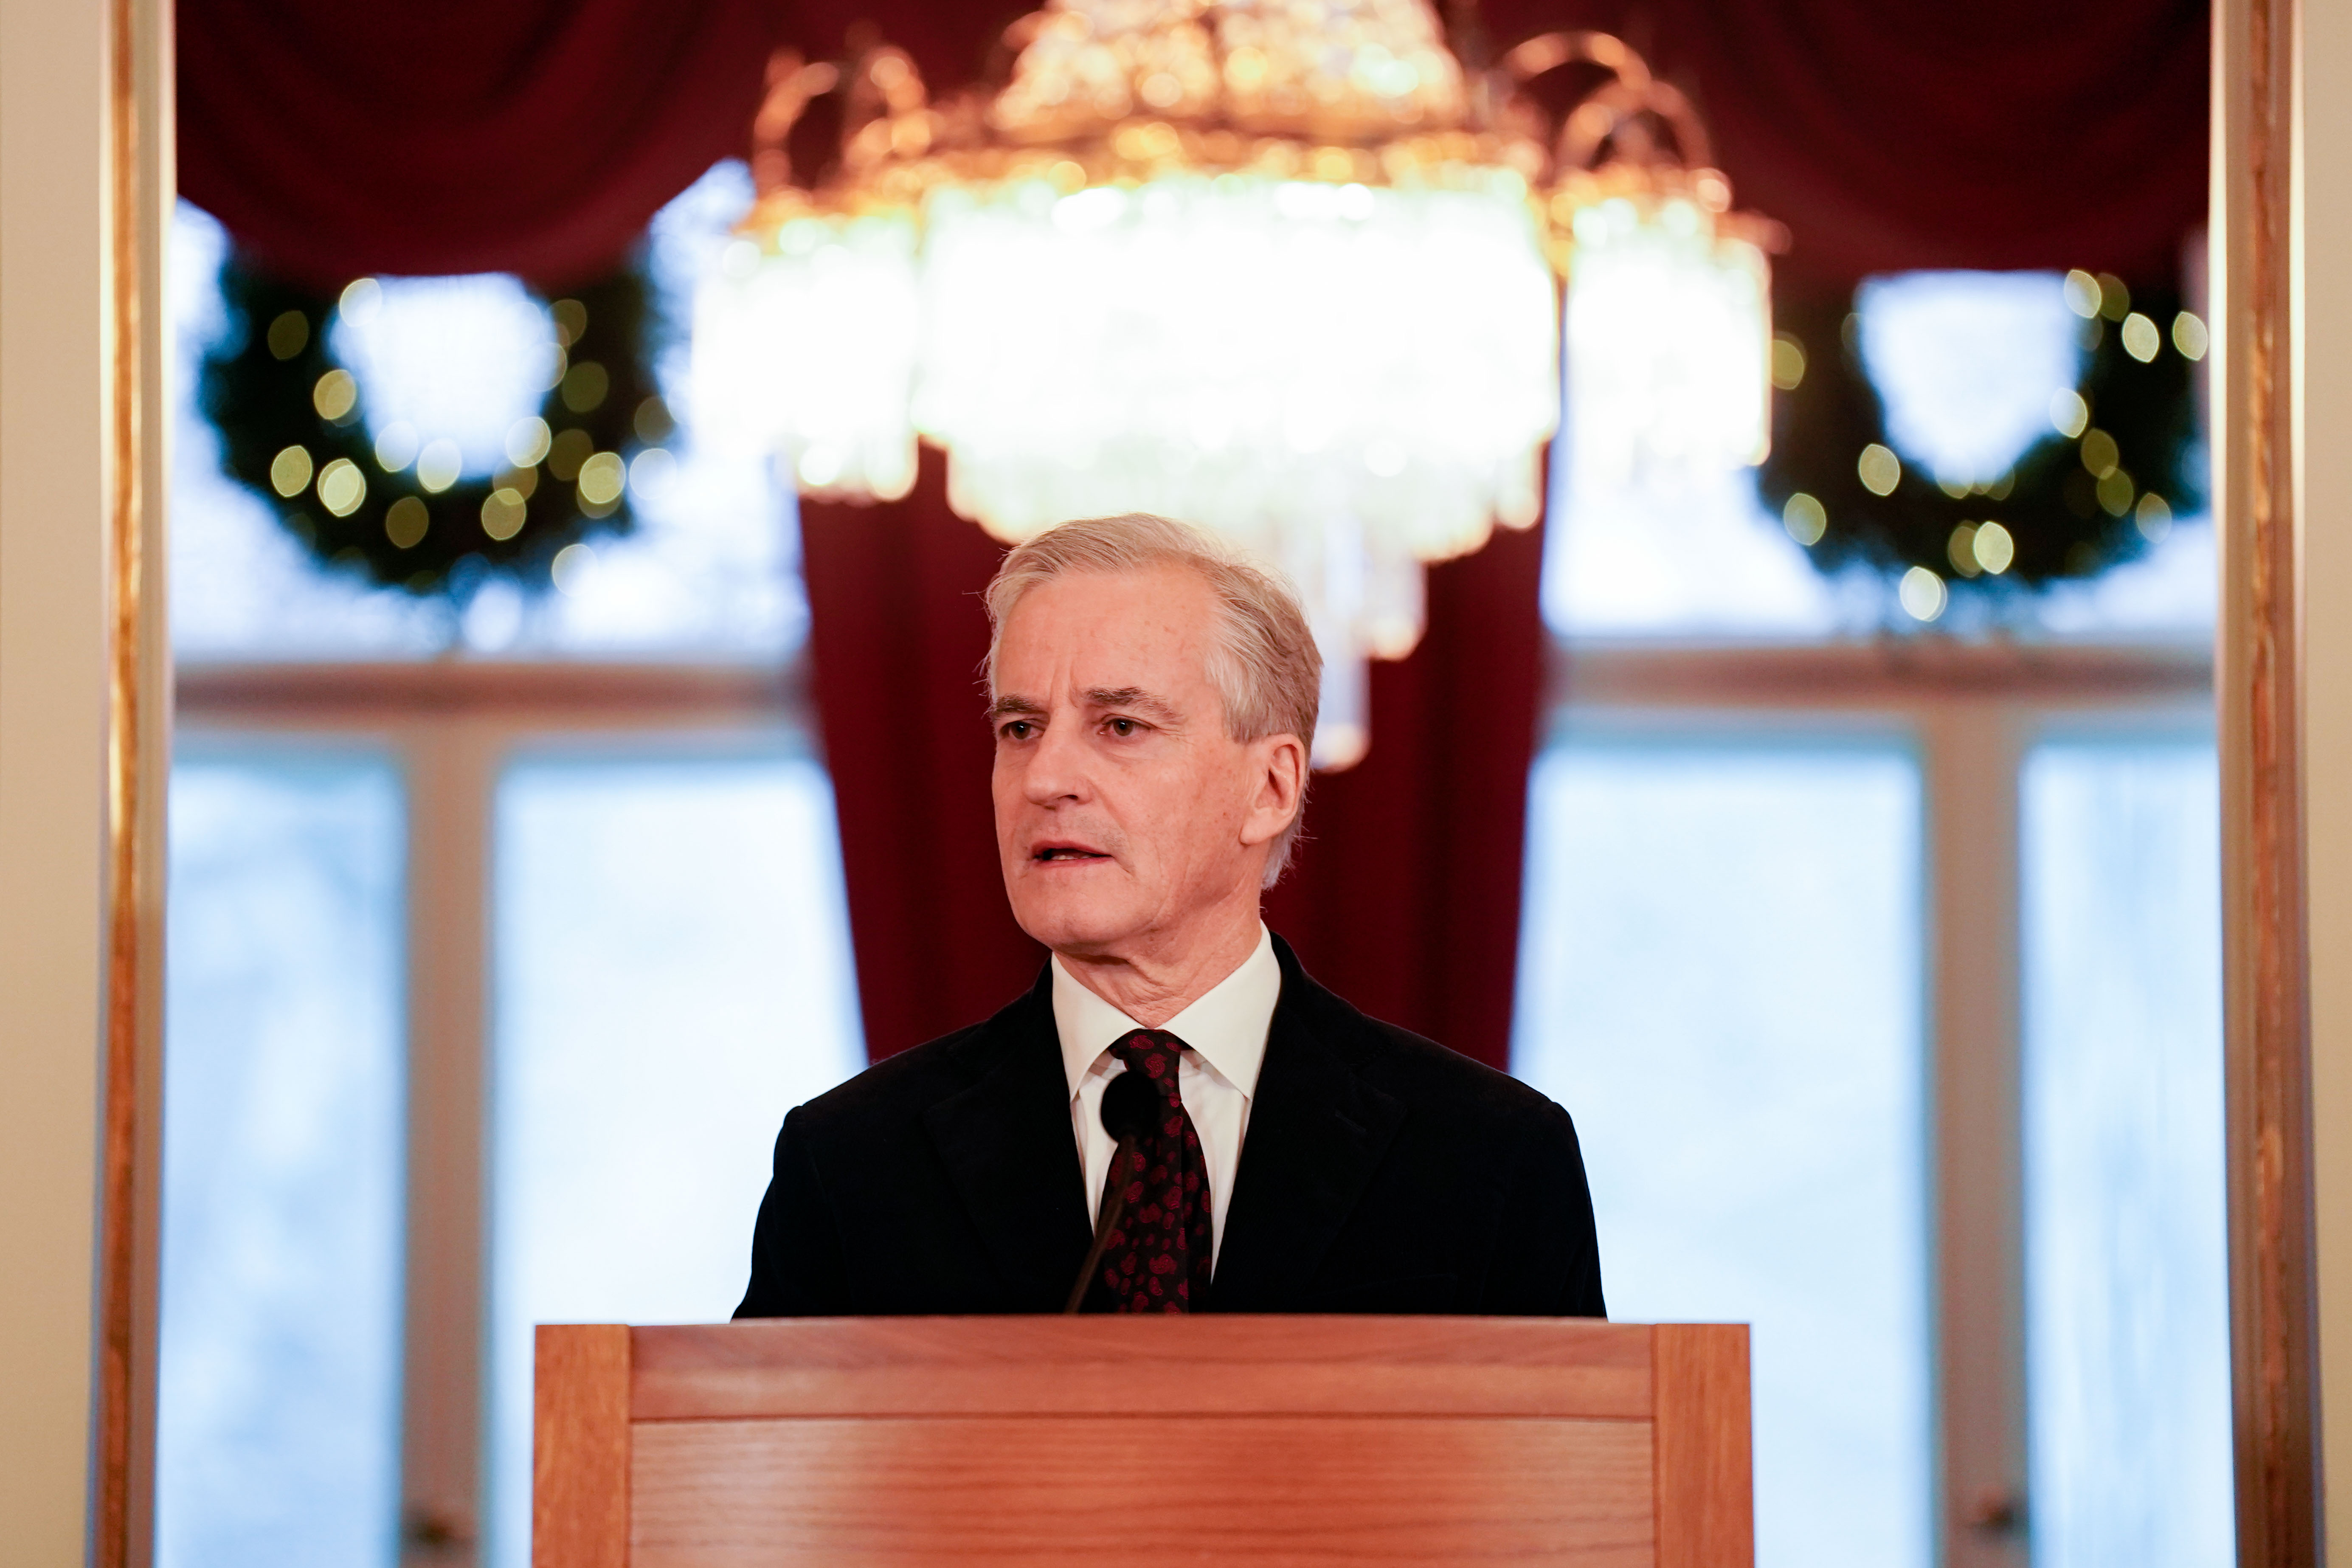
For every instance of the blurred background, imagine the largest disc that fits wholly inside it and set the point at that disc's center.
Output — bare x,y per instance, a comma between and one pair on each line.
1745,462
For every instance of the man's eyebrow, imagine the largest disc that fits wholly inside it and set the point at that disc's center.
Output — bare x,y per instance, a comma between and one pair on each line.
1007,706
1132,697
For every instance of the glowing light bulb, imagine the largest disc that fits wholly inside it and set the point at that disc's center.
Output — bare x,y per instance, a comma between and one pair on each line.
808,351
1670,348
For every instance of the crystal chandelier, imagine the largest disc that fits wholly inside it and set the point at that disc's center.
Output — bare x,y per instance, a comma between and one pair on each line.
1285,271
1669,318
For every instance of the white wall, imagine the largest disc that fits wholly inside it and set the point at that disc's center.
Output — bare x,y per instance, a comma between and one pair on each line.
2323,312
53,476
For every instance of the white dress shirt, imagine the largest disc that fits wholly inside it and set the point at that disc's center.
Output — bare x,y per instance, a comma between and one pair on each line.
1216,1078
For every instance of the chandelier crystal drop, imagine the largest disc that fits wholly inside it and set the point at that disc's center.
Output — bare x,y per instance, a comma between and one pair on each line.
1669,341
1287,272
808,352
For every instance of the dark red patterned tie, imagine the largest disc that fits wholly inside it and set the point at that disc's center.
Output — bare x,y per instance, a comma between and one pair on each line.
1157,1260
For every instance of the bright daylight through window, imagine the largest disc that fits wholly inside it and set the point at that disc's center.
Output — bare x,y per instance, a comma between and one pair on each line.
711,571
1973,368
1728,968
655,920
278,1429
1721,975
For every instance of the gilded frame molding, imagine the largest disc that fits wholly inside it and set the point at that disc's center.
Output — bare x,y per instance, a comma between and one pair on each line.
2257,679
2272,1288
137,205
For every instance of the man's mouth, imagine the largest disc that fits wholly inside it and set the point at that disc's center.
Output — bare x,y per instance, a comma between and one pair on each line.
1058,853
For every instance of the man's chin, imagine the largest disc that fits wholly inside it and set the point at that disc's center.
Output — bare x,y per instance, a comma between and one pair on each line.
1074,919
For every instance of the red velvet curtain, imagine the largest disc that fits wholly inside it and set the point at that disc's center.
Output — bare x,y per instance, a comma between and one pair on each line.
538,136
896,639
1997,135
1405,898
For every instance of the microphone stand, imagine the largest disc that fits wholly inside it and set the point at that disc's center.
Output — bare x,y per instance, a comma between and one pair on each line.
1129,1110
1113,1211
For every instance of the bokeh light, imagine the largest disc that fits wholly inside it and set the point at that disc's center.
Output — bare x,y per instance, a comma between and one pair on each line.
341,487
2189,336
503,512
440,464
1922,594
1995,547
1805,518
406,521
397,445
2069,414
289,472
571,565
601,478
335,395
288,334
1879,470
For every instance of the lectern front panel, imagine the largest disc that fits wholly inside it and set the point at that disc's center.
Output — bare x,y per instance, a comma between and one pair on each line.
1095,1489
1249,1440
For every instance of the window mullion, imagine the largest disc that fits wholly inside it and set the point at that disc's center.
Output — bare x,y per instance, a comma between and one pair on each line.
452,768
1972,754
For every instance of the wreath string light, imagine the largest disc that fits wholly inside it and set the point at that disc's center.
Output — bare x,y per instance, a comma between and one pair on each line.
2119,461
399,511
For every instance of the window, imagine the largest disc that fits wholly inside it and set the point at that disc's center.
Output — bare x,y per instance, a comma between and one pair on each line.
503,935
1721,979
672,976
1966,364
710,573
2127,1311
1880,970
278,1422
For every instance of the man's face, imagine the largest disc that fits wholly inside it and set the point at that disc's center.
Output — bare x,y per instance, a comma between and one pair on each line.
1124,809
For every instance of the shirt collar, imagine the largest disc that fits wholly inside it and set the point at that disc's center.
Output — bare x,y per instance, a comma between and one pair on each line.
1226,1026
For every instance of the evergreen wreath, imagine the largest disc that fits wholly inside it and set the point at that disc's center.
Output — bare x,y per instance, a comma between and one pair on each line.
2073,504
294,430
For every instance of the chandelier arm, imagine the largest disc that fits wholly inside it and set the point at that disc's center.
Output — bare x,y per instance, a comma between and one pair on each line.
886,110
1465,31
1005,51
1599,116
1674,105
1546,52
1591,123
792,84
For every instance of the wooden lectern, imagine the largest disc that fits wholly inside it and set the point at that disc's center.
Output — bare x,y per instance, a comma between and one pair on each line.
1101,1439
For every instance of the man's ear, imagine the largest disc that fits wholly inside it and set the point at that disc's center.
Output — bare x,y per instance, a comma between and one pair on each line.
1278,764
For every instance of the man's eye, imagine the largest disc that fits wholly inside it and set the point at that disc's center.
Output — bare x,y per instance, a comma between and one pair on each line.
1017,730
1122,727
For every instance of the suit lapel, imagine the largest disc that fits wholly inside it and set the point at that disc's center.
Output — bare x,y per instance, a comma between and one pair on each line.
1006,1142
1317,1133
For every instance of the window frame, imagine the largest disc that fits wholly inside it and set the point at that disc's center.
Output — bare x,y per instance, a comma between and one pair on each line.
1970,711
451,727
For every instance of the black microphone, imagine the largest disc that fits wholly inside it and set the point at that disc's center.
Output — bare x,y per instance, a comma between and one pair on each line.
1130,1106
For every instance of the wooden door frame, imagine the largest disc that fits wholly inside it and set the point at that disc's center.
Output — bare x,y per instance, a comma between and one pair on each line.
2272,1289
141,188
2257,680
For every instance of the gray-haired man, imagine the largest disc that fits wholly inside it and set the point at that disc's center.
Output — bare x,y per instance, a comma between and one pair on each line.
1152,695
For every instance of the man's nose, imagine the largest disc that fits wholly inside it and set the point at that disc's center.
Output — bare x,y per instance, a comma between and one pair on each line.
1057,765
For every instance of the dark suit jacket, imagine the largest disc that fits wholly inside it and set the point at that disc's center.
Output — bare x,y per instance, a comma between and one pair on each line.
1379,1174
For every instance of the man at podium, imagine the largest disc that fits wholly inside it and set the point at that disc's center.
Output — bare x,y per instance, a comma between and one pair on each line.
1152,695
